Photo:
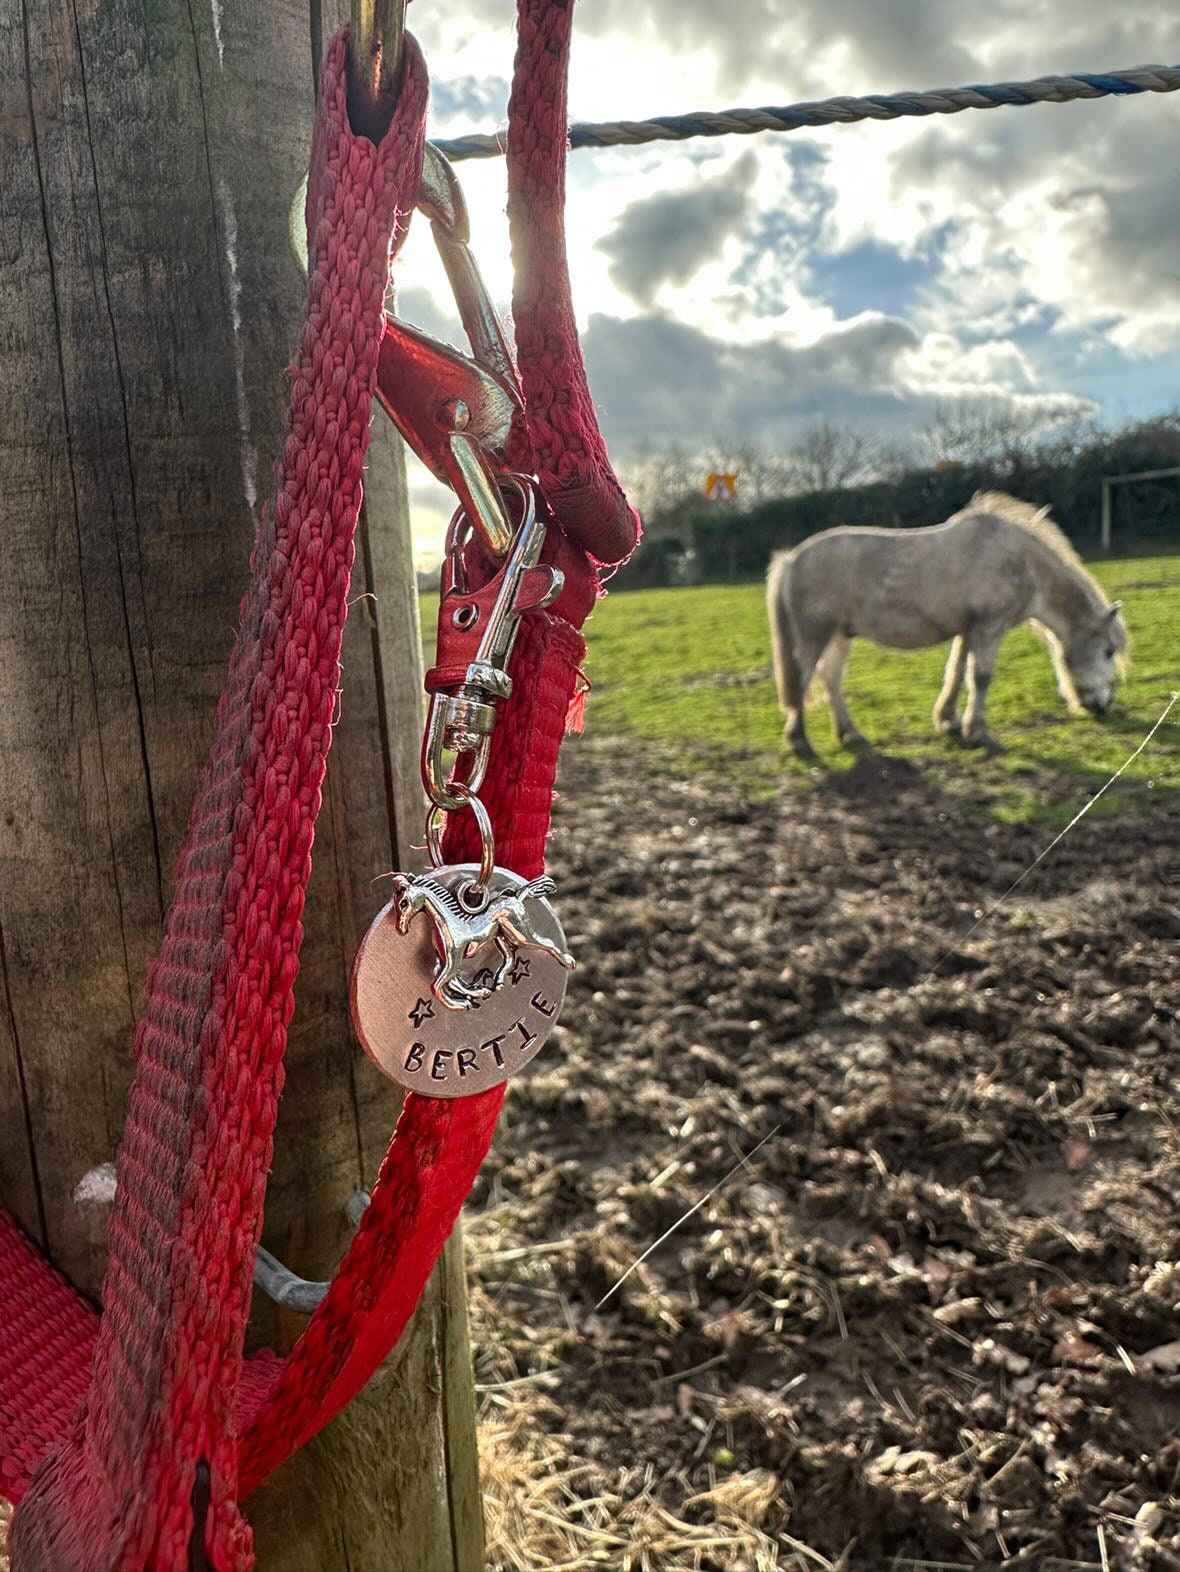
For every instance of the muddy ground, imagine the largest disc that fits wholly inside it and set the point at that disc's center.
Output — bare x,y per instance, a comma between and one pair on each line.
927,1323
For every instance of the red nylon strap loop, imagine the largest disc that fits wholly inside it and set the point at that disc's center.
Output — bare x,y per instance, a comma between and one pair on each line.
168,1389
567,446
191,1174
439,1144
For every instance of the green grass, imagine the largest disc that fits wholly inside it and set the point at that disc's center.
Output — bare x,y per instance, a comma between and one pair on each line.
690,669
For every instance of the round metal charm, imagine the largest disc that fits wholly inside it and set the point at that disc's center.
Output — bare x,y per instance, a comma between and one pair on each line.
453,994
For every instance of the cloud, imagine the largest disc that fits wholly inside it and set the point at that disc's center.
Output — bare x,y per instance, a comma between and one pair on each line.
479,102
818,48
859,273
757,39
881,48
1123,259
657,378
788,51
668,237
812,48
1053,208
1076,214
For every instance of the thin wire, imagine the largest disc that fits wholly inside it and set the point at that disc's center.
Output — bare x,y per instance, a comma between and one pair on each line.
1052,846
668,1232
845,111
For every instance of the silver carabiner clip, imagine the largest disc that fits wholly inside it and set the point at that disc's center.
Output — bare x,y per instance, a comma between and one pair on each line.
476,632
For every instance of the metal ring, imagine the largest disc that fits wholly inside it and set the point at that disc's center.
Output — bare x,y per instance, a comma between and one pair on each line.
444,793
487,855
513,484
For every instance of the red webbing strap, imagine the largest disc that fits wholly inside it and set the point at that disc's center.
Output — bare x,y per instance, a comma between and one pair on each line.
191,1173
568,450
439,1145
118,1492
47,1338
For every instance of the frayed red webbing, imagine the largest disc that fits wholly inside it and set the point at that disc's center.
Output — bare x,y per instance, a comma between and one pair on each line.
568,450
169,1388
192,1167
47,1336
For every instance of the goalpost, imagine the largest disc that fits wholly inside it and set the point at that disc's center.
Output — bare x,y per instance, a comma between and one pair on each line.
1109,482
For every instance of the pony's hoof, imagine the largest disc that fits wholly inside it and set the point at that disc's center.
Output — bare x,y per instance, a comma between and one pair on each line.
948,725
800,747
980,738
852,739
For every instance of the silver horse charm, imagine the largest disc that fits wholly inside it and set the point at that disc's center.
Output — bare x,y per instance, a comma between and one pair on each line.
452,994
461,931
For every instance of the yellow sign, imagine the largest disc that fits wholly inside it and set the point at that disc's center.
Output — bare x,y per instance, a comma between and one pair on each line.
721,488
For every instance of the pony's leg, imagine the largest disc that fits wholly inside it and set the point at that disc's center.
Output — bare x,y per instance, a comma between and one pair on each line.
831,668
807,653
795,650
507,956
946,706
524,939
451,988
980,661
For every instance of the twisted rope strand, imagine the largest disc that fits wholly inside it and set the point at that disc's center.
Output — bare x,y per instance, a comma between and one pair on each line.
845,111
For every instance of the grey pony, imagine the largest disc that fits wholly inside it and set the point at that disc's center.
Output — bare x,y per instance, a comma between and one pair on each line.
997,563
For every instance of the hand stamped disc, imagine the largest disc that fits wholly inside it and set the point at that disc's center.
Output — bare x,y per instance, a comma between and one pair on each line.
401,1011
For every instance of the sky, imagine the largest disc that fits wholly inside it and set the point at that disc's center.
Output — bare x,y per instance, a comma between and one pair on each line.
740,289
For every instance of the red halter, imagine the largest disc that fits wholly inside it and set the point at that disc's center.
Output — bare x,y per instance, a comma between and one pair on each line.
131,1437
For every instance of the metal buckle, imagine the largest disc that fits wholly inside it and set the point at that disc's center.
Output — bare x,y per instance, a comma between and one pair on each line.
462,415
459,413
456,417
440,198
476,632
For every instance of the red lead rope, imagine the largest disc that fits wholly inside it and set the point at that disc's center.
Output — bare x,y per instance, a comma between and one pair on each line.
169,1396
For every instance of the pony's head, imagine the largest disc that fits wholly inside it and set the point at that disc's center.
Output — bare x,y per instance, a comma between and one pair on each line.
1090,660
408,898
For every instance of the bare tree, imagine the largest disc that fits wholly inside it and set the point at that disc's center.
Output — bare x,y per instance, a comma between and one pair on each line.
981,431
762,472
664,482
1161,433
657,479
829,455
894,460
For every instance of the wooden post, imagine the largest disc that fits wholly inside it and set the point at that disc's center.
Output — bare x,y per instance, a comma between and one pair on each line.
148,308
1107,497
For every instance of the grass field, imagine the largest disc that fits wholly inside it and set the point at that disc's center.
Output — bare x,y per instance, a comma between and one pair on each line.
690,668
954,1115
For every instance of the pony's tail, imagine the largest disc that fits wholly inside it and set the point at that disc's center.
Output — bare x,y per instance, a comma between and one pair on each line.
782,637
537,889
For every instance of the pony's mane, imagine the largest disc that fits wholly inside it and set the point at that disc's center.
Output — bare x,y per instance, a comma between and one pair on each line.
444,896
1036,520
1038,523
